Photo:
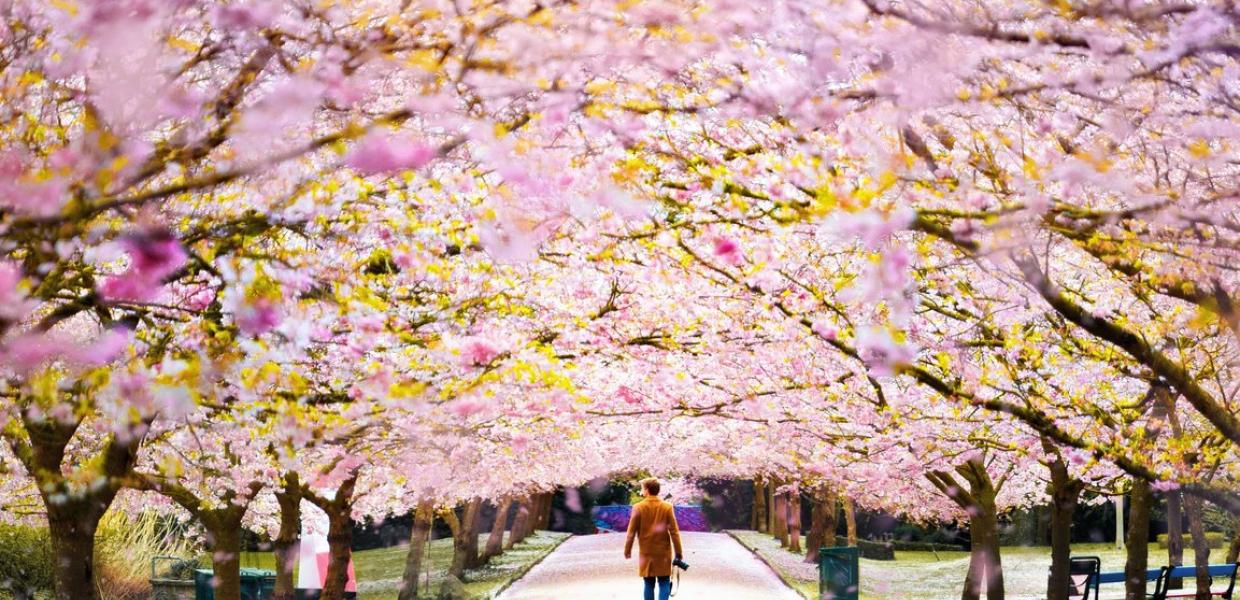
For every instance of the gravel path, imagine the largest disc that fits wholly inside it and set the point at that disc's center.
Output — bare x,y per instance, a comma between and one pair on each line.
593,566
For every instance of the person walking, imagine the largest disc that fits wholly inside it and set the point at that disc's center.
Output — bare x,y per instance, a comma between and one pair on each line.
653,524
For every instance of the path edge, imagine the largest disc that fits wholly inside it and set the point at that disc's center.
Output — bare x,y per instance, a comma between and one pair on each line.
758,555
524,571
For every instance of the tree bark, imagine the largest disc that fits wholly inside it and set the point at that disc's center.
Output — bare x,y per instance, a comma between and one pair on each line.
457,567
781,519
340,552
850,520
1137,540
470,525
72,526
520,523
978,502
1175,536
1201,547
464,529
73,514
495,541
423,519
223,527
224,540
339,511
771,485
1065,495
544,521
285,545
823,523
794,521
757,521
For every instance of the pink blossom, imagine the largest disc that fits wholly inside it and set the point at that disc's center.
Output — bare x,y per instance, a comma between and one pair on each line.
508,243
477,351
379,154
105,349
628,395
825,330
727,250
467,407
245,16
1164,486
881,352
13,303
257,317
154,255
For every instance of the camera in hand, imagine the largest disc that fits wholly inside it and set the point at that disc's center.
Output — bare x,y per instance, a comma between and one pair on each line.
680,563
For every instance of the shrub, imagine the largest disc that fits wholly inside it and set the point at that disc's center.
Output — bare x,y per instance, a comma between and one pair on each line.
124,548
925,547
1214,539
25,560
876,550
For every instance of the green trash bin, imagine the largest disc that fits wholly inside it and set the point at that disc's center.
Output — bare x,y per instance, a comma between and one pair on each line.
839,573
256,584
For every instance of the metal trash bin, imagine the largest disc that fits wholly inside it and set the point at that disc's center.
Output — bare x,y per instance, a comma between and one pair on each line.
839,573
256,584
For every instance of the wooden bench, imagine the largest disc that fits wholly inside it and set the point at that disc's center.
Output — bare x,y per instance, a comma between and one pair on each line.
1163,575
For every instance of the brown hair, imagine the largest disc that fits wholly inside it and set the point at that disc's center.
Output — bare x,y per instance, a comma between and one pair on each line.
651,486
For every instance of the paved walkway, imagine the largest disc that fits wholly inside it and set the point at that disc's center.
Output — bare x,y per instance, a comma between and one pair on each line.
593,566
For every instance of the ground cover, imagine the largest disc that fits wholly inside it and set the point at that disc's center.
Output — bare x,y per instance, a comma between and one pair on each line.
933,576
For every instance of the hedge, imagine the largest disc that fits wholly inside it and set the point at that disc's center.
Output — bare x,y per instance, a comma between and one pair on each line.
1214,539
25,560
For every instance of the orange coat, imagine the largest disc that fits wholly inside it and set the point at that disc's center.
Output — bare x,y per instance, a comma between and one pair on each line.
653,523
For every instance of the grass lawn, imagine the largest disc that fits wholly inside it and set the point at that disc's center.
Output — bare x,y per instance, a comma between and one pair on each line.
931,576
379,571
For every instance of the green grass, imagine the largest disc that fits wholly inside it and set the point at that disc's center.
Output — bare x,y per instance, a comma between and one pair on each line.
934,576
379,571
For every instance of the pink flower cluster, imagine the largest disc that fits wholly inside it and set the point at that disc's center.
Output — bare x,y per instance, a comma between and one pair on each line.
379,154
154,255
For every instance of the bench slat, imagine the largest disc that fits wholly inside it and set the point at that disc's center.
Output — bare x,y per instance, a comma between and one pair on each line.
1224,570
1118,576
1214,570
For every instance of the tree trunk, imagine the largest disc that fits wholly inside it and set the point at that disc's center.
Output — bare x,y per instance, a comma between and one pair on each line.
544,522
823,524
73,514
794,521
423,519
985,561
495,541
781,519
1201,547
1175,536
1137,540
985,566
978,502
285,546
460,540
520,523
757,520
771,485
470,525
224,540
850,520
339,511
1065,495
823,505
72,527
339,551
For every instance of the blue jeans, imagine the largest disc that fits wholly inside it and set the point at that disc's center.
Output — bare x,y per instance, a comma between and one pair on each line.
665,587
